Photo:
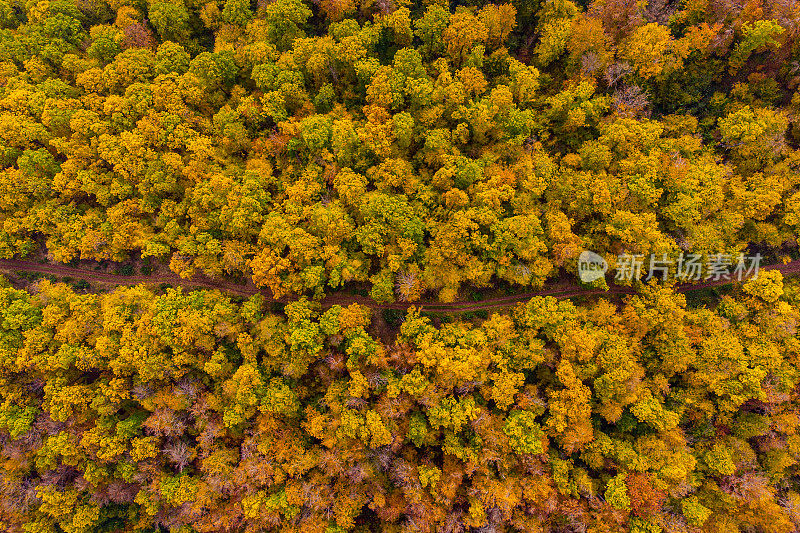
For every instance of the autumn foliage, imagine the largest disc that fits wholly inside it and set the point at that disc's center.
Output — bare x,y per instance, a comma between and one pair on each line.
188,411
313,145
407,150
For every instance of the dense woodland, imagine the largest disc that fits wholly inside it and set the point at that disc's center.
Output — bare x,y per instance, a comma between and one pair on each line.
402,145
132,411
409,148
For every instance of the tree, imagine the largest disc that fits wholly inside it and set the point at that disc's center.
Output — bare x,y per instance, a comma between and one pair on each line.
236,12
652,51
284,18
499,21
170,20
760,34
464,32
336,10
756,136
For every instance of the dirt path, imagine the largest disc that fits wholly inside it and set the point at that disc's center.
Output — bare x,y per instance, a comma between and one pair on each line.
564,290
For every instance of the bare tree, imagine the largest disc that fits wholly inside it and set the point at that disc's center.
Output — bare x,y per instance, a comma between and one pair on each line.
590,62
631,100
178,453
616,71
406,286
659,11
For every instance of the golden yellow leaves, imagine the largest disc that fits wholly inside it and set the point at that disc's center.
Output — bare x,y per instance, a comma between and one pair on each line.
464,32
649,50
369,428
570,410
505,387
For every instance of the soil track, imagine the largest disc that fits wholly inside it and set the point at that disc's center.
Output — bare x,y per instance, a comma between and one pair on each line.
563,289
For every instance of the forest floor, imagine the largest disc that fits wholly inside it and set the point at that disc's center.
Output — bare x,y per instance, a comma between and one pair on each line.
559,288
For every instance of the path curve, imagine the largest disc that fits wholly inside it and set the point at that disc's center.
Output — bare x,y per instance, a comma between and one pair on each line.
565,290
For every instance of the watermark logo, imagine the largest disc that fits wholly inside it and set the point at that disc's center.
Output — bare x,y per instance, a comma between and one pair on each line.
683,267
591,266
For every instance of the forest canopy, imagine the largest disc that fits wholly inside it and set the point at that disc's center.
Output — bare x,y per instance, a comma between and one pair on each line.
402,150
407,146
188,411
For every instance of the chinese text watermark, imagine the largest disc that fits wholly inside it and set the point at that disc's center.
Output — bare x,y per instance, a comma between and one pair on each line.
683,267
